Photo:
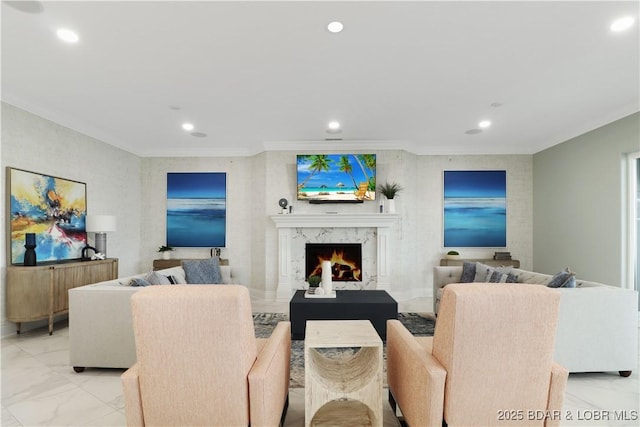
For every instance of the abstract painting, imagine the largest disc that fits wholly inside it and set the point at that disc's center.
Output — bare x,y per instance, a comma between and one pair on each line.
475,209
196,209
53,208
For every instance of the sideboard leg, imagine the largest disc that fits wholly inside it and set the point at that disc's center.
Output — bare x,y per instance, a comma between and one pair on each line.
624,373
18,326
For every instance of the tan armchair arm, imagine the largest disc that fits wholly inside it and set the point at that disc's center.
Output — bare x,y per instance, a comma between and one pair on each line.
132,398
416,379
557,386
269,378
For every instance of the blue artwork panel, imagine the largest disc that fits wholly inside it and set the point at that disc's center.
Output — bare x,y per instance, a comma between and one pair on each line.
196,209
475,209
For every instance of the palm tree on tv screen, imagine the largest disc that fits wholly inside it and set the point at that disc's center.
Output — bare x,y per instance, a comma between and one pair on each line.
318,163
367,163
345,166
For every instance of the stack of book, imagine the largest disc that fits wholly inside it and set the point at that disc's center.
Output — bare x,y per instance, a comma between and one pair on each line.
502,256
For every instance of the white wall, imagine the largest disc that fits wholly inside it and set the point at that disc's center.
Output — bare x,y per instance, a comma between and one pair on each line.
134,190
580,203
112,176
239,199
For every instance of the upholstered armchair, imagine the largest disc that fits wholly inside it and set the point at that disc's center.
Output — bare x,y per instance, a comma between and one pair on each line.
199,363
489,362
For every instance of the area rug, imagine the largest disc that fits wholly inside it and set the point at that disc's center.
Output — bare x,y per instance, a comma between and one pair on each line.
419,324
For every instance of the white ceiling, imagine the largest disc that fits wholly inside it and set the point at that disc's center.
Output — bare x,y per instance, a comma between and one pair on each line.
258,76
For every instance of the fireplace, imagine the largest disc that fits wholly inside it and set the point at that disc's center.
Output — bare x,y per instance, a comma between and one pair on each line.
346,260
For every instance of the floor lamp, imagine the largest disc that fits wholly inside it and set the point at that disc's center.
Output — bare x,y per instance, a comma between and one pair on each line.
100,225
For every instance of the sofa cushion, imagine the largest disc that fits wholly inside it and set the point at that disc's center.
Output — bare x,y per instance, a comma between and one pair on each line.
202,271
563,279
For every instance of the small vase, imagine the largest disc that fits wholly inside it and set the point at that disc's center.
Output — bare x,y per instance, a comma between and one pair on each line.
166,255
391,205
327,284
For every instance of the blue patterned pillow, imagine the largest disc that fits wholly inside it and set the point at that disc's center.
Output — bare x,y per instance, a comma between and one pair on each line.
139,281
202,271
564,279
468,272
156,278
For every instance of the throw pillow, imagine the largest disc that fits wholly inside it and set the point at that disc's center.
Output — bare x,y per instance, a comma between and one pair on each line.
563,279
501,275
468,272
156,278
495,276
139,281
204,271
483,272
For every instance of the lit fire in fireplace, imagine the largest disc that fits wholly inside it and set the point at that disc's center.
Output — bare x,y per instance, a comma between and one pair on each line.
344,266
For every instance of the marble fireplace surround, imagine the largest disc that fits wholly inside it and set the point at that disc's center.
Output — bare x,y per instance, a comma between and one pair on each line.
288,225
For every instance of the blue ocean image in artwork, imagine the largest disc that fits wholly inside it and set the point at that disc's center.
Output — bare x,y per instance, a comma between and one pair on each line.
475,223
196,222
196,209
475,209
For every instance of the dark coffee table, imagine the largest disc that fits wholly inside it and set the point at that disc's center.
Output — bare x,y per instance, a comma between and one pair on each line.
376,306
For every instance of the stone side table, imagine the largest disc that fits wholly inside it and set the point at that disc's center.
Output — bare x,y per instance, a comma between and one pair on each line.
343,391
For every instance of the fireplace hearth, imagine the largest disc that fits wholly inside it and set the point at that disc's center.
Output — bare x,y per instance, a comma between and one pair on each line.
345,258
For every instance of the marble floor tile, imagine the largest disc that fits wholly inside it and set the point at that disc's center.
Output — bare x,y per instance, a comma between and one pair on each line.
39,388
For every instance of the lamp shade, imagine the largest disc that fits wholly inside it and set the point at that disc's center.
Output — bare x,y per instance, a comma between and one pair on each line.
101,223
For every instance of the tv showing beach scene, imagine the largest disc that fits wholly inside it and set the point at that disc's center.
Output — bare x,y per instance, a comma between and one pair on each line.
475,209
336,177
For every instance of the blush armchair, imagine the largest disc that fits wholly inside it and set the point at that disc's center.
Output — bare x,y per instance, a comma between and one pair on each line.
199,363
489,362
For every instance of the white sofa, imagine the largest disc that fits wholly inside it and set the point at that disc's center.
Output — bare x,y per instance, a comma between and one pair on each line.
100,326
597,324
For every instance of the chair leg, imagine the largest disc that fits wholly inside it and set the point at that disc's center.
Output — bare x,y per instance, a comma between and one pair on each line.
394,407
284,411
392,402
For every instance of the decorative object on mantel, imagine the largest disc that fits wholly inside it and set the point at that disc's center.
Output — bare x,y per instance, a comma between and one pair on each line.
390,190
453,255
283,205
30,246
165,251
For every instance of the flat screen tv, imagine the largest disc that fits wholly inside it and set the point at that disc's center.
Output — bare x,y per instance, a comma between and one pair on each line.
336,178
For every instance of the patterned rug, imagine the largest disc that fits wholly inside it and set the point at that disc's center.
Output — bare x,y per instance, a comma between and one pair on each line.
419,324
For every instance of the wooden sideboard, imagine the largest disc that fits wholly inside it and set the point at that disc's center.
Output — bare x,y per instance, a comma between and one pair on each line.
492,262
40,292
161,264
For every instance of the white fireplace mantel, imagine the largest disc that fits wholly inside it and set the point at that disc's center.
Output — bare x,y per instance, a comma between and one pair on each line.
285,223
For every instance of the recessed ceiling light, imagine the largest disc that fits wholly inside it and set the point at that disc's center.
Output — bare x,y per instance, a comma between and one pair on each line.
484,124
622,24
333,127
199,134
187,126
335,26
473,131
67,35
